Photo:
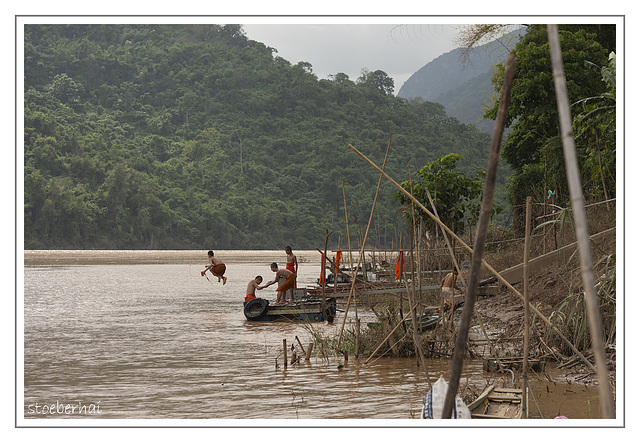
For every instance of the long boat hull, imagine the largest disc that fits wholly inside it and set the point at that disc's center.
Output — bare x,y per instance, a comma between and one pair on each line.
312,310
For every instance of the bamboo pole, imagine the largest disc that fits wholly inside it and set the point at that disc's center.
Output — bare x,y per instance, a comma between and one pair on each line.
490,268
346,218
301,347
582,235
411,294
525,279
364,243
323,275
483,225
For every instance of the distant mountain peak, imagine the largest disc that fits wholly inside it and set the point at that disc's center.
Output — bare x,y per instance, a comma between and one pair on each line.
460,83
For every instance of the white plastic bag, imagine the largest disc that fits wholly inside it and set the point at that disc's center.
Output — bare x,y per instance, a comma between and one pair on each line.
433,403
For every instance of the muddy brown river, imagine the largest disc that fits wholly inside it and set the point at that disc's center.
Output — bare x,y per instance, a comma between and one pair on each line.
142,335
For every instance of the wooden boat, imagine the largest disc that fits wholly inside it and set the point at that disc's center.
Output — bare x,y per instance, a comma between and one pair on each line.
426,321
497,403
308,309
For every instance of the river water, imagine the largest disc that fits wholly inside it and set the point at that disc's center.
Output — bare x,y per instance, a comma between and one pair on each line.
142,335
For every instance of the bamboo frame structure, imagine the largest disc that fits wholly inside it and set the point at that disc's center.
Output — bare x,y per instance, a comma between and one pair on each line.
490,268
582,235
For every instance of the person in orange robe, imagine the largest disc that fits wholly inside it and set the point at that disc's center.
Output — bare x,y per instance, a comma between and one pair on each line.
292,264
290,280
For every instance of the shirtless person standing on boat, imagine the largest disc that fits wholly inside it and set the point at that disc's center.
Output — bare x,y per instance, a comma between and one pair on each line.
290,280
216,267
292,265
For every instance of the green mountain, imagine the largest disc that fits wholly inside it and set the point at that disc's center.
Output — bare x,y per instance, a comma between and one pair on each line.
462,83
193,136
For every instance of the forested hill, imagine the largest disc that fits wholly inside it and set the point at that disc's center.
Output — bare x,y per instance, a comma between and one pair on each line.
462,83
193,136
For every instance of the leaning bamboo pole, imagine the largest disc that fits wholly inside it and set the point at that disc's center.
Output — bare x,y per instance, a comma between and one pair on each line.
346,218
364,243
580,218
483,225
323,278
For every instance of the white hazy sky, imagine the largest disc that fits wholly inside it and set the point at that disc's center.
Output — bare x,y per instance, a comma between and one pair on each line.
397,49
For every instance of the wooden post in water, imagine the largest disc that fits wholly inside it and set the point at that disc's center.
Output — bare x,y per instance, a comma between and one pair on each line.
301,347
284,351
582,234
357,337
309,349
525,270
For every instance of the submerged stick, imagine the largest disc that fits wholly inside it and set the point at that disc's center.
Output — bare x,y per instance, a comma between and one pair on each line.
580,218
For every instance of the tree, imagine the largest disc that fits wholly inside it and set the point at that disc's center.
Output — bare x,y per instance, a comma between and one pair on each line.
532,114
595,126
453,193
377,81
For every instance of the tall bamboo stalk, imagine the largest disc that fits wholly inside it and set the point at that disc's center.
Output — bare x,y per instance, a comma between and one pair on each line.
344,198
411,294
478,246
582,235
525,270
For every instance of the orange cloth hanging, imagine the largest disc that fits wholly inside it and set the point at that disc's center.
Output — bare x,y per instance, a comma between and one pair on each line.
400,264
321,279
338,257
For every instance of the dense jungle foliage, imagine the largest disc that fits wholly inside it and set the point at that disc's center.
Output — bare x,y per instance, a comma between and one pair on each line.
194,136
533,148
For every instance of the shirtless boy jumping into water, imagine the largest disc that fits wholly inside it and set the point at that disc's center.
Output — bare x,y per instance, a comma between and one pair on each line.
216,267
290,280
